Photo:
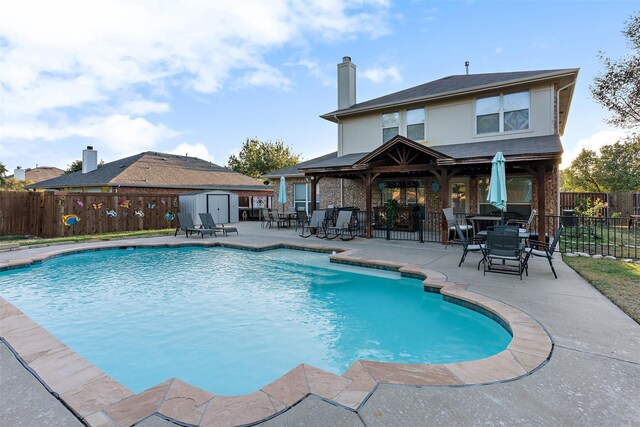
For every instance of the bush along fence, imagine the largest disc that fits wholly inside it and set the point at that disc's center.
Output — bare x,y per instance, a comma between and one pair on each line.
60,214
597,235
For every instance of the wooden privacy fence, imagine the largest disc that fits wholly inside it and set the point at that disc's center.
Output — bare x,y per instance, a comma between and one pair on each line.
49,214
626,204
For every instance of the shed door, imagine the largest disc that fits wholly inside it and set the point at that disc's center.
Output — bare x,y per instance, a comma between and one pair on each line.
218,206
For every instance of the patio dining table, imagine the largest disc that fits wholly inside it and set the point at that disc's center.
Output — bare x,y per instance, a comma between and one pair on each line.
478,220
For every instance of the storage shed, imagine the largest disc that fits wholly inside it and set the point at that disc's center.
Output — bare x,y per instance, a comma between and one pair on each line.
222,205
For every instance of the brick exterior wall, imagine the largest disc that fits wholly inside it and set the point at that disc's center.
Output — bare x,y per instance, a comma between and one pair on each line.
354,193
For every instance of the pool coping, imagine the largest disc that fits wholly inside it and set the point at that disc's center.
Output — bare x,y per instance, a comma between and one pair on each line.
99,400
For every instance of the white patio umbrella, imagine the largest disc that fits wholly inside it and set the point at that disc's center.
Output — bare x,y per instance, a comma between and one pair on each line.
282,193
497,195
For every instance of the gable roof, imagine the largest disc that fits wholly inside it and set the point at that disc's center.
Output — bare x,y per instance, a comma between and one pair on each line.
293,171
401,144
41,173
543,147
452,86
151,169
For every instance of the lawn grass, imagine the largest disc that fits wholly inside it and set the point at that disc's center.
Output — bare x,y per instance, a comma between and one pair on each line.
33,241
619,281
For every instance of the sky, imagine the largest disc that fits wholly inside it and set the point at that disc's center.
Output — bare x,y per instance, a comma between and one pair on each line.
200,77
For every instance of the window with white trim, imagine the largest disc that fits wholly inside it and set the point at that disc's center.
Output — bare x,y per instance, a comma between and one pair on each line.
415,124
459,195
519,195
390,126
503,113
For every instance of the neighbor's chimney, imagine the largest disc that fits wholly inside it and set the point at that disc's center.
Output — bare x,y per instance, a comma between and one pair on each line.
19,174
466,66
346,83
89,160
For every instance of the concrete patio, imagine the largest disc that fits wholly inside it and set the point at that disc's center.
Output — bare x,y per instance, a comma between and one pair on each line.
592,377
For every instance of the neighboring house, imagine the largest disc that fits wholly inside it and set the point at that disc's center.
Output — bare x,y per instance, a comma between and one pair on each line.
430,146
37,174
152,172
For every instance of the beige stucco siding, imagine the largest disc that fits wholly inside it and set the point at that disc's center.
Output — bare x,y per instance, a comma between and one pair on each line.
448,123
360,134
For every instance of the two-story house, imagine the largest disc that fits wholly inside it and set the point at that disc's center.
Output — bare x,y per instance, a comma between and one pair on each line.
430,146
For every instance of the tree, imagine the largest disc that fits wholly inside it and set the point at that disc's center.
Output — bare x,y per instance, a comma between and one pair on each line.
3,171
75,166
259,157
12,184
615,169
582,175
618,88
619,165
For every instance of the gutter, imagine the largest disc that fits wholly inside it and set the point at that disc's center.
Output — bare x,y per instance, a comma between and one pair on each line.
558,104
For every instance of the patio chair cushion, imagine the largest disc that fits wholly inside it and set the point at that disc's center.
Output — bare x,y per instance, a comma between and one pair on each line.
536,252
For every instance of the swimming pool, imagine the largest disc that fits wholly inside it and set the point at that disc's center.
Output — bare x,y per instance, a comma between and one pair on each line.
231,321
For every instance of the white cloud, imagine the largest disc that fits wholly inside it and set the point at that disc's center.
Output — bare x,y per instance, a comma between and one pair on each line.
379,75
316,70
499,50
141,107
593,142
198,150
71,53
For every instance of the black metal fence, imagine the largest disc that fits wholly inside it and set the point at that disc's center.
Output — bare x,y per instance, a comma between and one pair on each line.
414,226
618,237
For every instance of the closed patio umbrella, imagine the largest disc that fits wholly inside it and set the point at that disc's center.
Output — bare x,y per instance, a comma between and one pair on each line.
497,195
282,193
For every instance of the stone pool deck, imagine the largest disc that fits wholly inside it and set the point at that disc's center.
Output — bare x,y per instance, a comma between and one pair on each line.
592,375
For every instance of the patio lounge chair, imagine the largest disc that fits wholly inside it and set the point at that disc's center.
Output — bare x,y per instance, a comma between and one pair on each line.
317,218
469,244
545,250
342,228
185,222
451,224
503,252
209,223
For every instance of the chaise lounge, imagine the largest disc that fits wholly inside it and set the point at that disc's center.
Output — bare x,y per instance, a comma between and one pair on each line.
185,222
209,223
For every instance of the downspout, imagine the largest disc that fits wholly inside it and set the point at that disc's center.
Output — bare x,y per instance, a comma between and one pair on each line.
340,135
558,104
558,132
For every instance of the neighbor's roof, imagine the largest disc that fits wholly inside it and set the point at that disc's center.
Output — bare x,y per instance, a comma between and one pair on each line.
41,173
452,86
151,169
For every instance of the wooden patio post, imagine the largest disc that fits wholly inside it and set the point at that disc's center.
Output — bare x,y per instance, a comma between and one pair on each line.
313,183
542,213
369,215
444,201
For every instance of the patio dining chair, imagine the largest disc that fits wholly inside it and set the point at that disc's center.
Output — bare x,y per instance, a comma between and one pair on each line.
469,244
451,226
208,222
301,218
503,252
526,224
545,250
266,218
185,222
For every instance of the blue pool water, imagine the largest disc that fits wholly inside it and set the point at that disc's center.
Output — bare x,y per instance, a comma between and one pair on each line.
232,321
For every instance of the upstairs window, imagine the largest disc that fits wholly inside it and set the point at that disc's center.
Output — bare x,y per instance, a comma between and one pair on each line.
390,126
415,124
502,113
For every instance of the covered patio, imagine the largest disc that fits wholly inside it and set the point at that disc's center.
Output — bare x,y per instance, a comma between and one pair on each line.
423,180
